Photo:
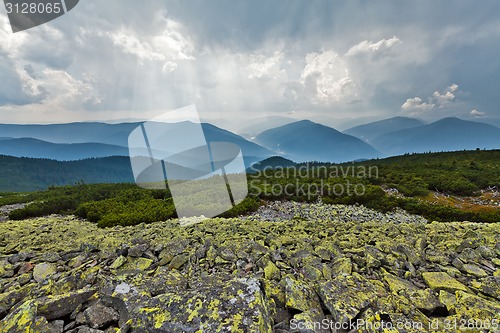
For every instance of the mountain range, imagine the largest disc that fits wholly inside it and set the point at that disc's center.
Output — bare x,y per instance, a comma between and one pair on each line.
299,141
448,134
305,140
370,131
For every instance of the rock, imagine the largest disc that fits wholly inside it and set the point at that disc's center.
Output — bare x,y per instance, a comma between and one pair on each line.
25,268
178,261
24,319
442,281
43,271
491,286
424,300
271,272
86,329
165,281
10,298
473,307
342,265
473,269
54,307
346,296
6,269
119,262
411,255
99,315
19,257
448,300
138,250
57,326
305,322
136,265
235,306
299,295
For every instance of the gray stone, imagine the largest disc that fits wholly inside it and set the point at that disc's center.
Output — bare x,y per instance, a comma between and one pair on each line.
99,315
43,271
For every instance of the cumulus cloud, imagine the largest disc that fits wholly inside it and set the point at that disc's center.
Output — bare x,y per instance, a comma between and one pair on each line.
261,66
373,48
438,100
417,105
128,58
326,78
477,114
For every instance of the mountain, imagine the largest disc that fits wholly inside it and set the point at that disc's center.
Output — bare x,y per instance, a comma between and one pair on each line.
249,149
27,147
271,163
260,125
448,134
114,134
488,120
86,140
29,174
308,141
370,131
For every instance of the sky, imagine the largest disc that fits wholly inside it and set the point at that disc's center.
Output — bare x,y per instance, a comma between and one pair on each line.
238,61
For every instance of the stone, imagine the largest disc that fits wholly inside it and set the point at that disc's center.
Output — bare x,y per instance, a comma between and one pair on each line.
442,281
424,300
271,272
471,306
300,295
24,319
138,250
491,286
99,315
54,307
346,296
136,265
57,326
178,261
8,299
119,262
342,265
233,306
474,269
6,269
43,271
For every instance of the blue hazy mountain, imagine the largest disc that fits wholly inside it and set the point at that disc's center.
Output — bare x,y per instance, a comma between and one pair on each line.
28,147
448,134
488,120
308,141
114,134
370,131
75,141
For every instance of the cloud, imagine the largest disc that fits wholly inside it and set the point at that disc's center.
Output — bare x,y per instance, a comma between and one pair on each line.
477,114
438,100
417,105
381,47
128,58
326,78
264,67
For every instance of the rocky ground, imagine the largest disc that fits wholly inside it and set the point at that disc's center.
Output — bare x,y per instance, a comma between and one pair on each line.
288,268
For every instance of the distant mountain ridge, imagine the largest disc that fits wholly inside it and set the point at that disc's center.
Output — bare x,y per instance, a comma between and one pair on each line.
370,131
308,141
448,134
33,148
299,141
76,141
